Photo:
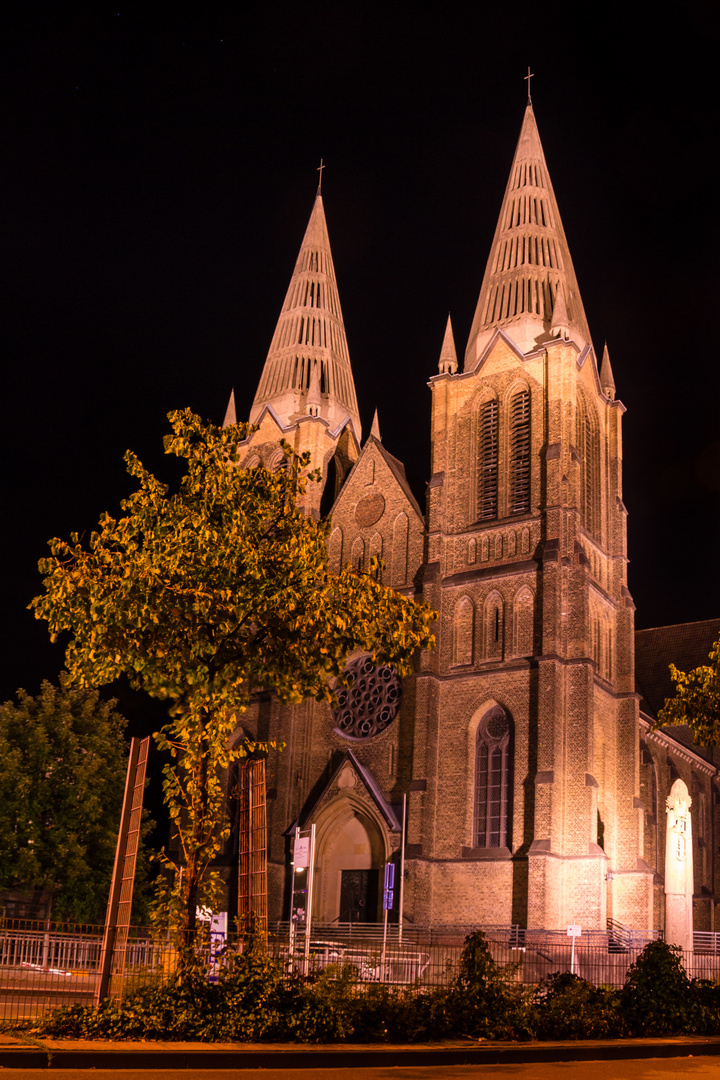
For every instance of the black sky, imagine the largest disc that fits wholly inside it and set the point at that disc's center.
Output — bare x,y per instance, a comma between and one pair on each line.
158,172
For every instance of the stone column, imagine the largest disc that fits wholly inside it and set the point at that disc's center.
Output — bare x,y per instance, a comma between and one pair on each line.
679,869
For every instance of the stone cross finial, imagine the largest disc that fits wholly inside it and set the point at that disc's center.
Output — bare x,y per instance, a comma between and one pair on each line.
321,167
530,75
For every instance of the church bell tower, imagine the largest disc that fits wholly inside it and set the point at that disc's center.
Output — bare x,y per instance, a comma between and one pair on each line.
531,808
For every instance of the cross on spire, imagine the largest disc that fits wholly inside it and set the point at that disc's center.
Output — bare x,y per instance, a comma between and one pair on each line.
530,75
321,167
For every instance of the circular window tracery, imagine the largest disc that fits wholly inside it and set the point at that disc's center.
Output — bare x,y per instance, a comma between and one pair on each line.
370,703
496,724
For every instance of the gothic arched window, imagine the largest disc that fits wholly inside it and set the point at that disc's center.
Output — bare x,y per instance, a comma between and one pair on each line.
520,453
493,779
494,625
488,461
588,439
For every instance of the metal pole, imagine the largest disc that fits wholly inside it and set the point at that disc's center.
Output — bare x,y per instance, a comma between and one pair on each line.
402,871
308,912
572,957
382,956
293,926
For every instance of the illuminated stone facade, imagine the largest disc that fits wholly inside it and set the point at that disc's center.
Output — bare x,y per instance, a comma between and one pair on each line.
532,781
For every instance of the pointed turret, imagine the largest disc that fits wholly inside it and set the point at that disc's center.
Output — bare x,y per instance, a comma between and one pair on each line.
375,429
448,363
529,260
607,381
310,337
230,413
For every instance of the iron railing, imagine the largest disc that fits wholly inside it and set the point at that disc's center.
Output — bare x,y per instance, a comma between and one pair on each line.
43,966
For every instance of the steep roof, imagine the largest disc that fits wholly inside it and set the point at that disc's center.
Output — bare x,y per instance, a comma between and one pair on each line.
309,345
529,259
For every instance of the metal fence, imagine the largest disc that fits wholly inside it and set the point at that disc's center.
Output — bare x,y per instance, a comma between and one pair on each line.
45,966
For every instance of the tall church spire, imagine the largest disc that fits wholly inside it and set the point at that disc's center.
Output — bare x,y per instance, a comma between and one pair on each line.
308,356
529,260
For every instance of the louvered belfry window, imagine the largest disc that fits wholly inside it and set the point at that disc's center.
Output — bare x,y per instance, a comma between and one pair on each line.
520,453
492,779
488,479
589,442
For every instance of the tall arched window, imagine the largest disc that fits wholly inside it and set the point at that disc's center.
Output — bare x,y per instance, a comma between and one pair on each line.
488,461
400,549
335,550
588,440
520,453
357,558
493,779
494,625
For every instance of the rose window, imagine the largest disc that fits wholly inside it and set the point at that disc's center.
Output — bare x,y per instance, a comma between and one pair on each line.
370,702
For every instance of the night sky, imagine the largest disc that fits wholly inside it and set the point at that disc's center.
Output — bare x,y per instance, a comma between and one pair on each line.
158,173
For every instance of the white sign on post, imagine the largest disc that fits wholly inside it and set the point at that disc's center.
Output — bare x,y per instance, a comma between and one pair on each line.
301,854
574,930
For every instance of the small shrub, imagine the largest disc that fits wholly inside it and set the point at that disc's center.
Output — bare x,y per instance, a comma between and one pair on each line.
568,1007
656,998
483,1002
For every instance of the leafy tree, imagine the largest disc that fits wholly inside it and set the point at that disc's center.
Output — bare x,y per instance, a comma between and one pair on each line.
63,759
697,700
205,595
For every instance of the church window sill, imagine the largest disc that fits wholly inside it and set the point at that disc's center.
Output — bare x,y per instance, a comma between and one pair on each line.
482,853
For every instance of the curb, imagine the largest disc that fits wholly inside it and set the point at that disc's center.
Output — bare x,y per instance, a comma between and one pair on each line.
294,1057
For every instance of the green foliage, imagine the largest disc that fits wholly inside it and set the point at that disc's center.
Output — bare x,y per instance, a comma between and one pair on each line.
484,1003
656,998
697,700
63,759
568,1007
254,1000
205,595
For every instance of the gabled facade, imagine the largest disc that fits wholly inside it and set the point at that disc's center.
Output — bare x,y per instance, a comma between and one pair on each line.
518,743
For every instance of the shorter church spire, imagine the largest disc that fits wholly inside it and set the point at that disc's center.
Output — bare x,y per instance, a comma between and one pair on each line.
375,429
309,341
448,364
230,413
607,382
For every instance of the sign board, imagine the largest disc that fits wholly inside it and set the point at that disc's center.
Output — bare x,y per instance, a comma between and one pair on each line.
301,854
389,875
574,930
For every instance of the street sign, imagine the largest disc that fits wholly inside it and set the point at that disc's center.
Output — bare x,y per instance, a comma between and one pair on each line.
301,853
574,930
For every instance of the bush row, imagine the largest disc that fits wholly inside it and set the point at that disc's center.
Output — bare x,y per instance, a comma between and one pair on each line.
255,1001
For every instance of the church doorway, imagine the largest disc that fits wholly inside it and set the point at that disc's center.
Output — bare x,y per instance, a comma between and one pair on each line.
351,851
358,895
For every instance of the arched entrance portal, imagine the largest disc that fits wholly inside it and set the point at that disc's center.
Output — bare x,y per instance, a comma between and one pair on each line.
351,851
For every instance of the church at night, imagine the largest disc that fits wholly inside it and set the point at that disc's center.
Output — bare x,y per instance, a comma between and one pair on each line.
521,747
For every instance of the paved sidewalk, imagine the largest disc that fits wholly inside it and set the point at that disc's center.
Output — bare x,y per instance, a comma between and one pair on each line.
22,1051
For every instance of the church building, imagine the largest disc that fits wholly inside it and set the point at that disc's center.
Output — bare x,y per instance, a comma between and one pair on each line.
534,789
